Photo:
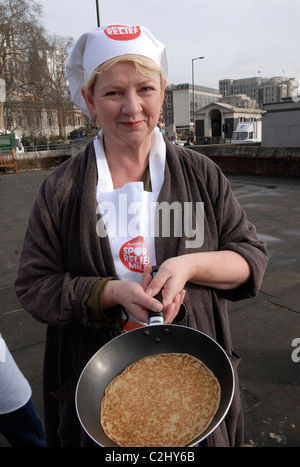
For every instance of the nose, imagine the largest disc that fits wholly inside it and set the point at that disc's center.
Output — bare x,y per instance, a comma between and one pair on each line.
131,104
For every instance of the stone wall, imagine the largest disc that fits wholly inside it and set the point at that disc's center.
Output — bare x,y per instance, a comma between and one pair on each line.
249,150
254,159
38,163
232,159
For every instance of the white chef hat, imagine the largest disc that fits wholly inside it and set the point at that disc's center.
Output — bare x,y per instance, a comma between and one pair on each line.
96,47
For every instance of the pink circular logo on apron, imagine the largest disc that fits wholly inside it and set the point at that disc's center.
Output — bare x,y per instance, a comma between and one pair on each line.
134,255
122,33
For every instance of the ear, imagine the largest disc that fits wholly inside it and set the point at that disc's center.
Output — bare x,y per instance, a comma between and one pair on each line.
89,100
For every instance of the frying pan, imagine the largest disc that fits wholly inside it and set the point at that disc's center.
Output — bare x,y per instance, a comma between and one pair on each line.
115,356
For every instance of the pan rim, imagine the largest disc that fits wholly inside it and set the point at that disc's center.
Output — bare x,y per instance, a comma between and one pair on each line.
213,425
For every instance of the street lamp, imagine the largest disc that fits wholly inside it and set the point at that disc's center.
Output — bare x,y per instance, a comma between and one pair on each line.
193,88
98,16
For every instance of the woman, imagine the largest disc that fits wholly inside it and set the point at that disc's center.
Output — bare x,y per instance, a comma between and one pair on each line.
93,233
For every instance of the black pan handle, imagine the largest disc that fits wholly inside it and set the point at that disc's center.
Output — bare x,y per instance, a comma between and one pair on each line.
156,317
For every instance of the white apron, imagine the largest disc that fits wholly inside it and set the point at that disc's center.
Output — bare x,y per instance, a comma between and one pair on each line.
129,213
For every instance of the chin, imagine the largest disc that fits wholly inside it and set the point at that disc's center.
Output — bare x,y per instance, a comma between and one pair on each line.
136,137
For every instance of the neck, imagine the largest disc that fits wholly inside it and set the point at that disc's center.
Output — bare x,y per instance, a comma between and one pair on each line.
126,163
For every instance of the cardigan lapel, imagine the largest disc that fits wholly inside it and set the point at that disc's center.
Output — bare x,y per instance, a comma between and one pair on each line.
95,251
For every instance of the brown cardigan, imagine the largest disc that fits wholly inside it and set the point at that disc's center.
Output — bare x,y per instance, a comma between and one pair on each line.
63,259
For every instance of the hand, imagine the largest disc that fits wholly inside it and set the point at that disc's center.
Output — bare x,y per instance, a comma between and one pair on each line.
222,270
132,297
170,281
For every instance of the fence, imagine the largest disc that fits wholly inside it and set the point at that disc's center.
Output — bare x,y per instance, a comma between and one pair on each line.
46,147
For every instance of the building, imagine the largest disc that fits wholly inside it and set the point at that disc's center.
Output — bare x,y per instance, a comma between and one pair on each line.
262,90
216,121
30,119
31,113
281,124
34,120
178,106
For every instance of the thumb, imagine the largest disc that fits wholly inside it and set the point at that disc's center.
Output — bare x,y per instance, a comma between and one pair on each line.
155,286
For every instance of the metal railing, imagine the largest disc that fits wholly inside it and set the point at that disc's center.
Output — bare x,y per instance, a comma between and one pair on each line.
46,147
38,147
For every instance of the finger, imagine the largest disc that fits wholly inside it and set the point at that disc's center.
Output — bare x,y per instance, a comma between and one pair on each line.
169,292
146,279
177,303
139,313
150,303
182,296
157,282
142,313
170,313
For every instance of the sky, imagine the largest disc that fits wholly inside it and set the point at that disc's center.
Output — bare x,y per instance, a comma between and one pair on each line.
239,39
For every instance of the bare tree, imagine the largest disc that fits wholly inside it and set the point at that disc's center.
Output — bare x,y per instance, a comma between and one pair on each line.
56,92
21,41
32,64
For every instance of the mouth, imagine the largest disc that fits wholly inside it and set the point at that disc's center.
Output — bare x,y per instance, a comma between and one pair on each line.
132,124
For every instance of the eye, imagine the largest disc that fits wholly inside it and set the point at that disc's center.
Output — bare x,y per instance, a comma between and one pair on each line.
147,89
111,93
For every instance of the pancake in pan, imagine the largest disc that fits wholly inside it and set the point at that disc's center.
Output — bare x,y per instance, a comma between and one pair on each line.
162,400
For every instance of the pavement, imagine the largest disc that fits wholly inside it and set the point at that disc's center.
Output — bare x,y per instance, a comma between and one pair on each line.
265,330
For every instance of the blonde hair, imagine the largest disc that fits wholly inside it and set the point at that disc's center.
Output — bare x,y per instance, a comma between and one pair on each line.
143,65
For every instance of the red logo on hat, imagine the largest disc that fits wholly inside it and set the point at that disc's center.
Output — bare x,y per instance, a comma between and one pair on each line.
122,33
134,255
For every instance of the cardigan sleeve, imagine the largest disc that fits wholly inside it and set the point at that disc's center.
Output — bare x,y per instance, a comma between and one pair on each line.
98,317
238,234
44,285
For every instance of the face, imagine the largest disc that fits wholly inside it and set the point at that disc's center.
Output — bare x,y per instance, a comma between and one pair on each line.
126,104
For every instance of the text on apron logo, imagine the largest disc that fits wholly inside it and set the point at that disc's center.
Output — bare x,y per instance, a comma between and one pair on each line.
134,255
